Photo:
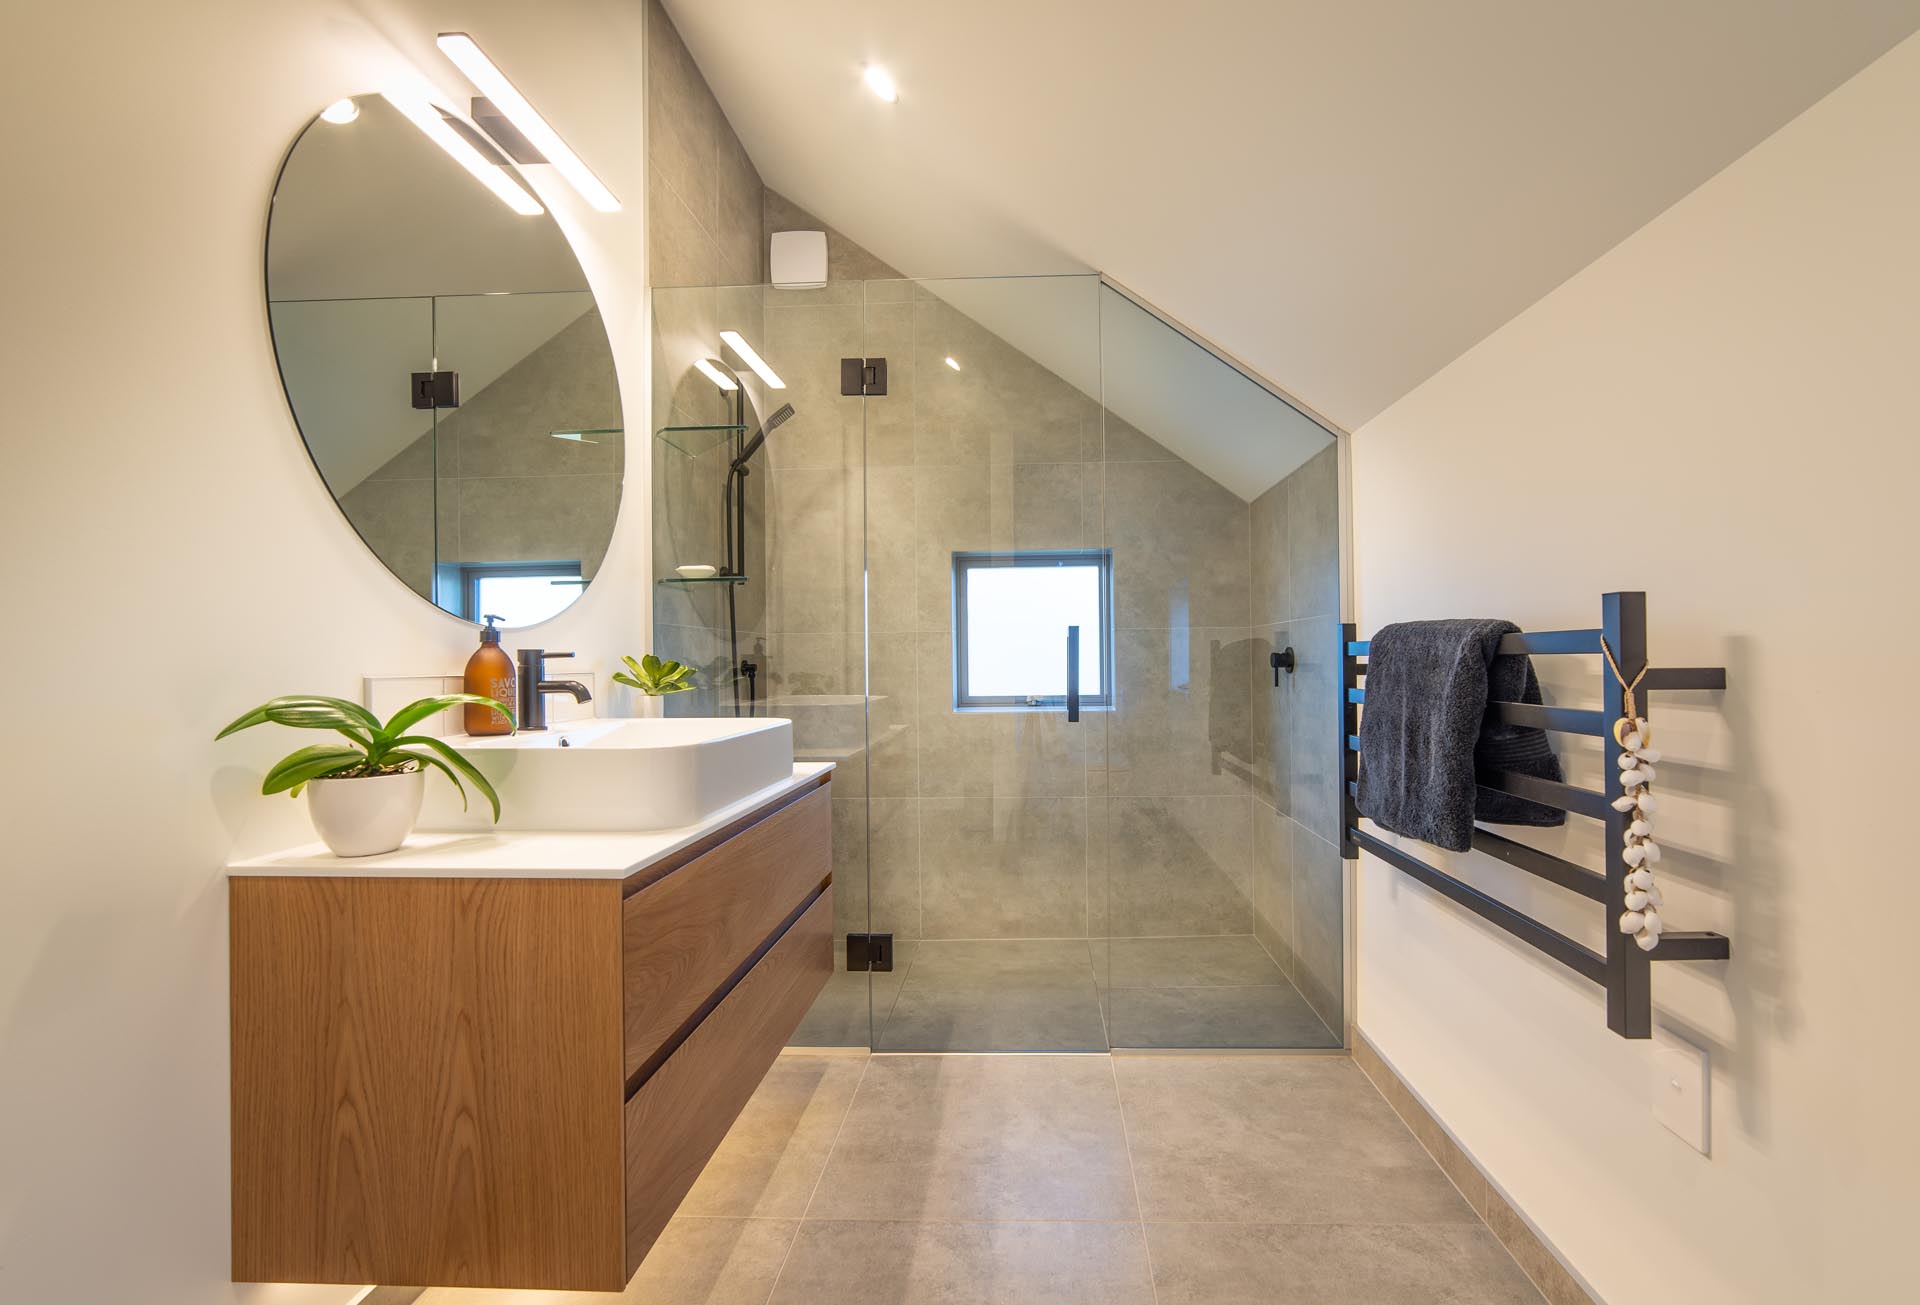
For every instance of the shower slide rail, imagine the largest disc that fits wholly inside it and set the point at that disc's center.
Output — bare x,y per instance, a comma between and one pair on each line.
1623,970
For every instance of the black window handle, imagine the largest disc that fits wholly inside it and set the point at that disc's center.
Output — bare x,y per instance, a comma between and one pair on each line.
1073,672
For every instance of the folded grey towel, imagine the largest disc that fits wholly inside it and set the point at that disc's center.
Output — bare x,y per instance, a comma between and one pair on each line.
1423,732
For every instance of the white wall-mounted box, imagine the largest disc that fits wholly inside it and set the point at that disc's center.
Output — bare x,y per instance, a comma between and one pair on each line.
797,260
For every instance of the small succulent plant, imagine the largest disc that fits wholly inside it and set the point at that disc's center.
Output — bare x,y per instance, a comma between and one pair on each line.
654,677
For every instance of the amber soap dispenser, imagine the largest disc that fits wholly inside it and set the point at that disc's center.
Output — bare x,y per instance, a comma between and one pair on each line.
489,674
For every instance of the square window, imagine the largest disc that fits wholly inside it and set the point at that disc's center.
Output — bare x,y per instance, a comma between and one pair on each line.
519,593
1011,612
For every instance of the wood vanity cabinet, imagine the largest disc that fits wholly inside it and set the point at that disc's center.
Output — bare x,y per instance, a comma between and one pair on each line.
509,1082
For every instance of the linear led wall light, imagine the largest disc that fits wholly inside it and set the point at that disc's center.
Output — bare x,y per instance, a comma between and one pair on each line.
714,374
489,174
753,360
493,83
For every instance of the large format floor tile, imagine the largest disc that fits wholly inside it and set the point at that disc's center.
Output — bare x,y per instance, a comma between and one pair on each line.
773,1156
1274,1140
981,1137
996,996
1274,1015
966,1264
973,1180
1333,1264
1200,962
1202,992
711,1261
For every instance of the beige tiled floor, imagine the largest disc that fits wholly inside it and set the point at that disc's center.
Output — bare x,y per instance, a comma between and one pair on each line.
1128,1180
1067,995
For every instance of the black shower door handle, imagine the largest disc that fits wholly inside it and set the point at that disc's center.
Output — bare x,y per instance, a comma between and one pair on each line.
1073,672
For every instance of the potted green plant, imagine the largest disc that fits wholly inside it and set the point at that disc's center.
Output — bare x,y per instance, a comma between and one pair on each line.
654,677
364,794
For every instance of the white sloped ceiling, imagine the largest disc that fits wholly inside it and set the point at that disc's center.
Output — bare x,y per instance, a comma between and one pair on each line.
1345,196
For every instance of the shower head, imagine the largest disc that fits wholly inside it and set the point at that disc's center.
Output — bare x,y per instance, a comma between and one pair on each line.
780,417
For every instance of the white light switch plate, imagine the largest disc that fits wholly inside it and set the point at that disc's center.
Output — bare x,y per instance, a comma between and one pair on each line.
1681,1081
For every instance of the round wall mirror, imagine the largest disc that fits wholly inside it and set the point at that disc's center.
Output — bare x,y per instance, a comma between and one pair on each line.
444,360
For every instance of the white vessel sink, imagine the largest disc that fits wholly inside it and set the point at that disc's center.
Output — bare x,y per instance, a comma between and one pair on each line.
617,774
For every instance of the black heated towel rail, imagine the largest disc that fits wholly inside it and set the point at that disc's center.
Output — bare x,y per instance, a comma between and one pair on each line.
1624,971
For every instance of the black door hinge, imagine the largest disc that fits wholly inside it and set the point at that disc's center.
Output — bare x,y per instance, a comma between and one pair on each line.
869,951
863,376
436,389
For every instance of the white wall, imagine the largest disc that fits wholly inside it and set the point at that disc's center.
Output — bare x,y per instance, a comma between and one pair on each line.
1735,385
171,558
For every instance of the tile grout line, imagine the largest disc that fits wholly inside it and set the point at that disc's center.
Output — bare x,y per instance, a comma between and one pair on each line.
800,1223
1133,1174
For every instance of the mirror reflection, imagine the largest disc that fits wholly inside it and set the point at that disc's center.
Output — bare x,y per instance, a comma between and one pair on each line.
446,364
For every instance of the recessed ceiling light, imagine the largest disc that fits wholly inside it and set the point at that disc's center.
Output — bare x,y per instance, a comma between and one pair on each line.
707,369
340,112
491,175
955,365
752,359
493,83
880,82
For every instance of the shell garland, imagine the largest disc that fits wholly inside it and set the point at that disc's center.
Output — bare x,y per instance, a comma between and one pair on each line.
1641,918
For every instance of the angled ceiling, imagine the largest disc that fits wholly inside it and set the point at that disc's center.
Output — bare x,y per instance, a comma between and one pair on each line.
1347,197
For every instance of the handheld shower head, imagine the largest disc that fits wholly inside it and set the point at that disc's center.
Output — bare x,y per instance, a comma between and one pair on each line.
780,416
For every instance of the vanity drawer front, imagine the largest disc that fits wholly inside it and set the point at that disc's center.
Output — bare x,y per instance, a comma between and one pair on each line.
678,1117
688,933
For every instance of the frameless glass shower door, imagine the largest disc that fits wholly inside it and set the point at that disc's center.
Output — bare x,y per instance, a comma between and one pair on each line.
983,548
1129,844
1219,848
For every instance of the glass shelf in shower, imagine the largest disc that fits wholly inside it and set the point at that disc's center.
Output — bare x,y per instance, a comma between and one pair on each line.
589,435
695,440
704,580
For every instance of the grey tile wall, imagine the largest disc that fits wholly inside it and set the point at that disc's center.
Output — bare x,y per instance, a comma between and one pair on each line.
712,232
1297,872
704,229
1173,815
489,484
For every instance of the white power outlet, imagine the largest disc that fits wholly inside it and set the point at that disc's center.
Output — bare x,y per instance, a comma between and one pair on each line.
1681,1085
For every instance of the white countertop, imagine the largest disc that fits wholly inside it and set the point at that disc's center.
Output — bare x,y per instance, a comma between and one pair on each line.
519,854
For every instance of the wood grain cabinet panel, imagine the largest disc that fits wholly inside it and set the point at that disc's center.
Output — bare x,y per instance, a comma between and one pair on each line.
426,1081
687,934
432,1078
680,1114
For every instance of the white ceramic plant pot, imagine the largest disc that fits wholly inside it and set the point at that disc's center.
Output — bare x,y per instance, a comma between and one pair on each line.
366,816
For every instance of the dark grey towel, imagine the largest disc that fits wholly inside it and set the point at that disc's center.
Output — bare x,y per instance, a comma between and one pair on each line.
1423,732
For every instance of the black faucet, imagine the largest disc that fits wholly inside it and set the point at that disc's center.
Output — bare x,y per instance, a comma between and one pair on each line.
534,687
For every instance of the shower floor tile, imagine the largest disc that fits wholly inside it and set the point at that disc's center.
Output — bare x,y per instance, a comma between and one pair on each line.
1066,995
1273,1015
1201,992
1200,962
996,996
